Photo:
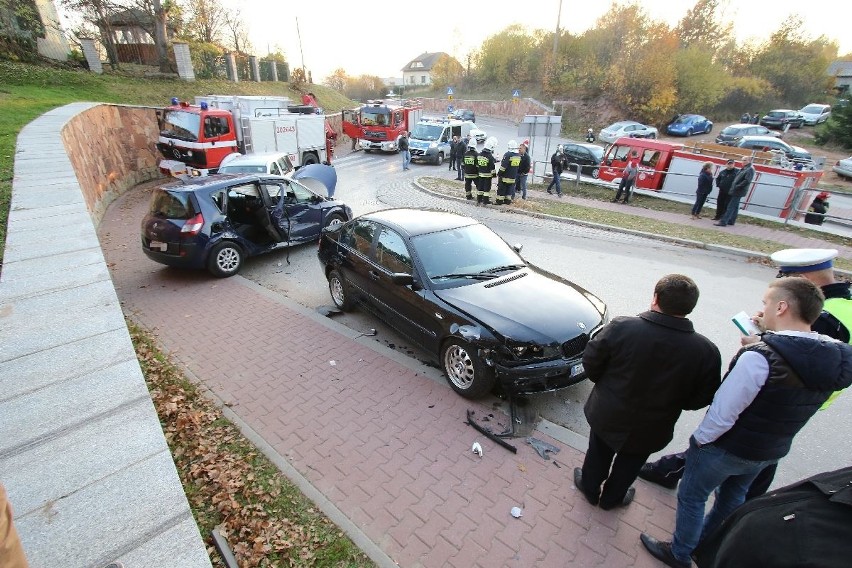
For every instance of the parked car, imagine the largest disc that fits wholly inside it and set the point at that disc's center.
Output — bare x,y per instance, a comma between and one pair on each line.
216,222
587,156
464,114
626,128
689,124
843,168
730,135
780,118
815,113
275,163
769,143
479,135
451,285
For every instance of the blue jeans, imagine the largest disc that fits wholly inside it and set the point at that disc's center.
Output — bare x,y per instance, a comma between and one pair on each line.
406,159
708,469
555,182
730,216
521,186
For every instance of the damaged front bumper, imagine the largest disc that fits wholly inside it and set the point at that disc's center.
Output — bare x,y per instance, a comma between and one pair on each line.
542,376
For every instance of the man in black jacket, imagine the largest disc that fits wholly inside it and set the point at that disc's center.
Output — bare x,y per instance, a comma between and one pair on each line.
739,189
771,390
724,181
639,394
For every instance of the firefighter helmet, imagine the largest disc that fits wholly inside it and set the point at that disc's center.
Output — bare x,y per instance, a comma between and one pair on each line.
491,144
471,143
513,145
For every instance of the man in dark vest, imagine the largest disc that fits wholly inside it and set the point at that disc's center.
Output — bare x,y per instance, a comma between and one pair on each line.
773,387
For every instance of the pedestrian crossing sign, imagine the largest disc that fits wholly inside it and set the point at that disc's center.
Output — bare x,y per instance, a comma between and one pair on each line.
516,94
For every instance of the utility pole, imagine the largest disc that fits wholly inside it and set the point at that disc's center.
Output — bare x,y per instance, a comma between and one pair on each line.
298,33
556,34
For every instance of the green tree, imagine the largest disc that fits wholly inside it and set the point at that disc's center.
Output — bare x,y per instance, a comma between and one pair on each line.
701,82
20,25
446,72
838,128
700,27
793,64
507,58
205,21
337,80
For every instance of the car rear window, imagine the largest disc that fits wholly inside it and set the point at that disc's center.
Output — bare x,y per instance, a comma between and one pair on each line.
172,204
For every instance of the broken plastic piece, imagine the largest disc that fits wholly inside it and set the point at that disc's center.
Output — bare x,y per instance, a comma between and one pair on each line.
517,513
332,362
542,447
476,448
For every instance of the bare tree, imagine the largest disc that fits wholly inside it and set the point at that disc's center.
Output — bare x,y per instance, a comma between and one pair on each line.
237,32
96,13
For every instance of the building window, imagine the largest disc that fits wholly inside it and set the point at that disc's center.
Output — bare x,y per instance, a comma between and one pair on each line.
422,79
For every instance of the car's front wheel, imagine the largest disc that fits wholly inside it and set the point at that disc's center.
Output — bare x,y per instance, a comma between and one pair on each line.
465,372
225,259
440,159
334,220
709,129
596,173
339,291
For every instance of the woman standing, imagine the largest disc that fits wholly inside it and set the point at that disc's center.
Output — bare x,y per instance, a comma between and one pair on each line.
705,186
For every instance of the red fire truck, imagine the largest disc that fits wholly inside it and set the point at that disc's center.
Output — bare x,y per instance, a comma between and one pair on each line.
674,168
378,125
199,136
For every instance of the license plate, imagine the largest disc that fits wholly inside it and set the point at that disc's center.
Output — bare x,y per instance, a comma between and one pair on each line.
576,369
159,245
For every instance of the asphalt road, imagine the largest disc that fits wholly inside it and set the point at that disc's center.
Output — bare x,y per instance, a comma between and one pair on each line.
621,269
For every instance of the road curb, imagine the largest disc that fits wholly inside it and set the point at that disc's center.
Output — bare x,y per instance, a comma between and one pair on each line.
763,257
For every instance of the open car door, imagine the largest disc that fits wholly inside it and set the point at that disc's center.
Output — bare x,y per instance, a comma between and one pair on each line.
352,123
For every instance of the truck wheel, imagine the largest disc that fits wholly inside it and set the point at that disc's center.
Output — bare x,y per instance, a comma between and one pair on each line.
225,259
440,159
309,159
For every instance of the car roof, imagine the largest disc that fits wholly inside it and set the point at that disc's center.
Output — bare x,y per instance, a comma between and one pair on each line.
218,181
782,110
256,159
624,123
741,126
419,221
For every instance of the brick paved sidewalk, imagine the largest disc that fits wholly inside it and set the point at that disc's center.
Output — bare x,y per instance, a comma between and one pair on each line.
383,441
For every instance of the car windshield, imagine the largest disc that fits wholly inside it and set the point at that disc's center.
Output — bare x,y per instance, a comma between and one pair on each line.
813,109
684,119
617,126
776,114
464,254
181,125
732,130
374,117
171,204
597,151
427,131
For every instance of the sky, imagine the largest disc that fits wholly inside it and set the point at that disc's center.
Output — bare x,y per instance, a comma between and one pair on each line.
379,38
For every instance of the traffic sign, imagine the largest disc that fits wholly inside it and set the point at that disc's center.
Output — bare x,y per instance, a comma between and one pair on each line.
450,91
516,94
450,108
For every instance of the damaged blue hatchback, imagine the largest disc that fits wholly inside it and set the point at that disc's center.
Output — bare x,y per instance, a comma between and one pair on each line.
457,290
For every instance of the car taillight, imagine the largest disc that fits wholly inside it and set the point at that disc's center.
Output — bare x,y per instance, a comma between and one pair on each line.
192,226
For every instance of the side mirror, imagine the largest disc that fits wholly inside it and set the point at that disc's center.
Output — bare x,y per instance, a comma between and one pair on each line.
402,279
518,248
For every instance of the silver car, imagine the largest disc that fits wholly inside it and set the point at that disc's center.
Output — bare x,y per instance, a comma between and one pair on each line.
628,128
815,113
274,163
844,168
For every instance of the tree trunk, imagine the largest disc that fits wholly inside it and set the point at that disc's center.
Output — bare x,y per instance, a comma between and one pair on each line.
160,37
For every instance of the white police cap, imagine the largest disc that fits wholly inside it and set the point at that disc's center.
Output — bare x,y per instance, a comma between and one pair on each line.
803,260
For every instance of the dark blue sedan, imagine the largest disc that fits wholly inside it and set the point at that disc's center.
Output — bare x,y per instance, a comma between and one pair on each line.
216,222
689,124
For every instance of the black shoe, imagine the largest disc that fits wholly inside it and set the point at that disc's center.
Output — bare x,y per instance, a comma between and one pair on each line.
614,201
662,551
720,224
550,192
578,482
625,501
668,480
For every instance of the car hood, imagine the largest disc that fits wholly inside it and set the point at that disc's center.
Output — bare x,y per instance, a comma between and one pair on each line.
319,178
527,306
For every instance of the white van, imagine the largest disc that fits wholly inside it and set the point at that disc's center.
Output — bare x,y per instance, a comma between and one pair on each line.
815,113
431,137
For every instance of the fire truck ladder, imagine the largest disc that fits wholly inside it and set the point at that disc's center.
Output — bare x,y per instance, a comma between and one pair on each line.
245,131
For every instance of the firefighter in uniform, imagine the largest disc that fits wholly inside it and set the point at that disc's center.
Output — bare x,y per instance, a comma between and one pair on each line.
507,173
485,165
471,169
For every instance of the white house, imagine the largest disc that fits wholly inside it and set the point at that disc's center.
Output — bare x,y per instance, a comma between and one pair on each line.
418,71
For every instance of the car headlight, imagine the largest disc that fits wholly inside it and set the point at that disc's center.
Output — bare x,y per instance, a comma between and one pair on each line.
189,153
433,145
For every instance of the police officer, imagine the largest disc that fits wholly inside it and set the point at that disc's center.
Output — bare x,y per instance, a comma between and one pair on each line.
471,168
507,173
485,164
